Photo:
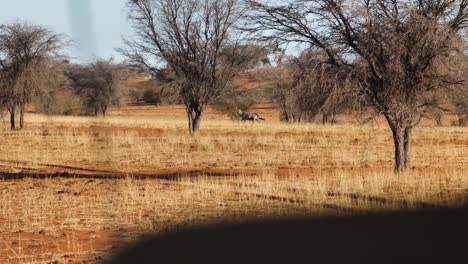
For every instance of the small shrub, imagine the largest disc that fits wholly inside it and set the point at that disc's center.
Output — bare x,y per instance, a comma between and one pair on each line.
135,95
61,103
151,96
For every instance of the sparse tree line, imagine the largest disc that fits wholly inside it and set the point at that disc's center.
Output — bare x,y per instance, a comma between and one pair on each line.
404,59
27,65
34,70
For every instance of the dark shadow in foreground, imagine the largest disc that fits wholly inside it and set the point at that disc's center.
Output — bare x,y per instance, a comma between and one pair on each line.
428,236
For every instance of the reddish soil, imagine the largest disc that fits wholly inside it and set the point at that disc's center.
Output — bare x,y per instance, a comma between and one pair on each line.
60,245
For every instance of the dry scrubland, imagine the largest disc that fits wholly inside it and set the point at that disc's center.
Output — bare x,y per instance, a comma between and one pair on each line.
74,188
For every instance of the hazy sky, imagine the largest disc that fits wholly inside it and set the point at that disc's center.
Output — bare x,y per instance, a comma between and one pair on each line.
96,26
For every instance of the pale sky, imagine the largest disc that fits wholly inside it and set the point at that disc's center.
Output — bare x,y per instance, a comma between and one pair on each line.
96,26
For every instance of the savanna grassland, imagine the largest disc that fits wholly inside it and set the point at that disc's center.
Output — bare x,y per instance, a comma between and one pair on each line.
74,189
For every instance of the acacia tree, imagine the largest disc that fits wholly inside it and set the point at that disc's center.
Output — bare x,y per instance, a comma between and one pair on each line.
197,40
308,87
28,55
99,84
393,47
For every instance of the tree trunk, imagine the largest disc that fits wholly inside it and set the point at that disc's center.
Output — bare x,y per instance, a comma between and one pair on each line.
12,118
325,118
21,116
407,138
103,109
194,118
402,142
333,114
328,117
438,119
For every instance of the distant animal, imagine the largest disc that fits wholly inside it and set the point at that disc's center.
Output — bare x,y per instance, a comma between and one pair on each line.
249,116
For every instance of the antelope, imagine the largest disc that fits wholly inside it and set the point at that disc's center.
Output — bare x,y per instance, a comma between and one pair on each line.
249,116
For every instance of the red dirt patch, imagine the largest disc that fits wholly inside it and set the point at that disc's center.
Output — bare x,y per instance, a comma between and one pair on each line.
62,246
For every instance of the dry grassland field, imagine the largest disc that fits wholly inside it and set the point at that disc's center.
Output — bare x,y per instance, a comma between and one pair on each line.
75,189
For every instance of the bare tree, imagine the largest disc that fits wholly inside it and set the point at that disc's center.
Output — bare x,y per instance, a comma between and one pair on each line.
307,87
394,47
197,40
99,84
28,55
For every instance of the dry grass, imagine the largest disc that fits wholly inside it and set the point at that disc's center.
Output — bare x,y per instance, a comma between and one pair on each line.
76,186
